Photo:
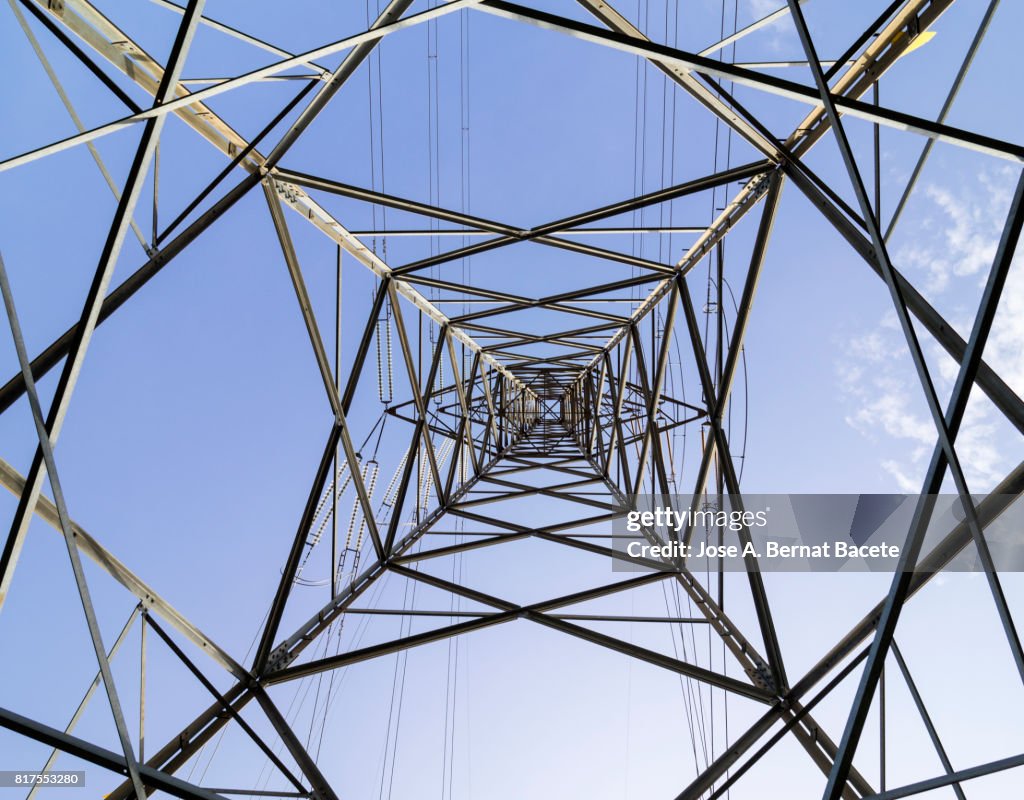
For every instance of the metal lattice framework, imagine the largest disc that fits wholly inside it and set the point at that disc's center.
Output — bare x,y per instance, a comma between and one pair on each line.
579,416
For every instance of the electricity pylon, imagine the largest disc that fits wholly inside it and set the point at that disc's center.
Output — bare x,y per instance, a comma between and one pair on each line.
577,414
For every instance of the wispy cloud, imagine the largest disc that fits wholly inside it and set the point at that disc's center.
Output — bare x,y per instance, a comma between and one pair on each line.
952,241
904,482
776,34
959,234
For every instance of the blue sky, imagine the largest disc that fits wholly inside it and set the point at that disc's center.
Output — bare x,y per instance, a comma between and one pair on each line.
199,417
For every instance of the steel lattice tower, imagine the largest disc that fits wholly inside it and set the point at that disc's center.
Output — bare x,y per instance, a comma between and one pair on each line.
577,415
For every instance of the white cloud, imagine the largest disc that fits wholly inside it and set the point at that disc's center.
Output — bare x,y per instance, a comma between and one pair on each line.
954,242
960,235
886,408
1005,352
762,8
776,34
903,480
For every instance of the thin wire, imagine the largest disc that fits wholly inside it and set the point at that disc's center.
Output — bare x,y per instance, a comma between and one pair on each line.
397,693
